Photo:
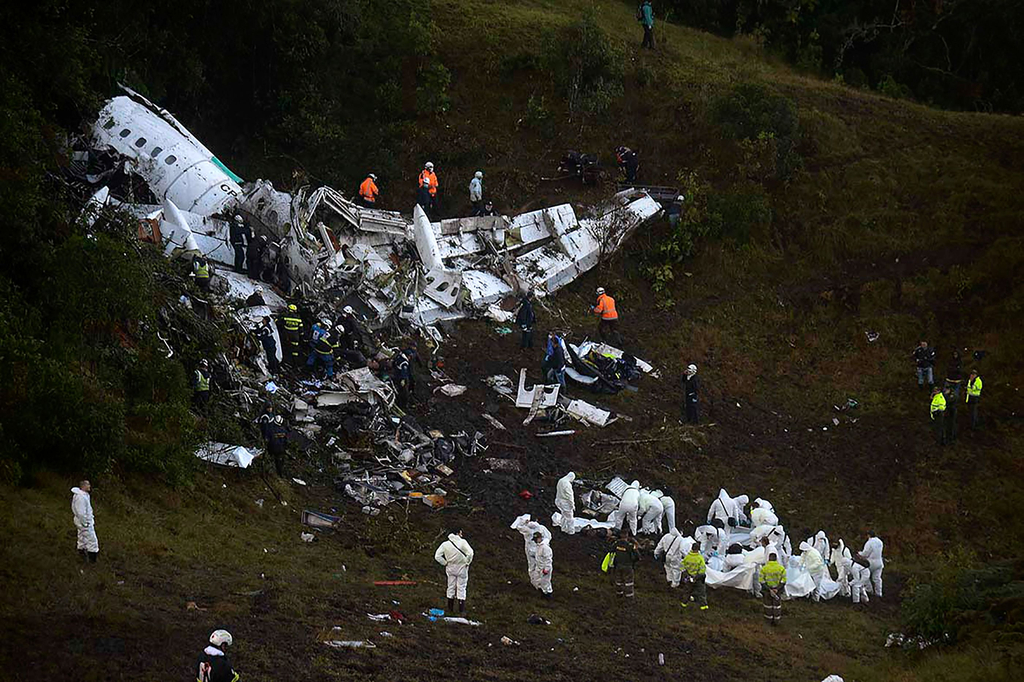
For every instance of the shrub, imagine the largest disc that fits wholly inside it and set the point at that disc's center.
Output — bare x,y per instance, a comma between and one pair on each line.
588,65
753,113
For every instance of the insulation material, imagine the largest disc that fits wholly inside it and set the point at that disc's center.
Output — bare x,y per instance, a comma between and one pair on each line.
227,455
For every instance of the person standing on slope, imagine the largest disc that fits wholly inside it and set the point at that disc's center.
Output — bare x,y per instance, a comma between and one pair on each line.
81,506
645,15
455,555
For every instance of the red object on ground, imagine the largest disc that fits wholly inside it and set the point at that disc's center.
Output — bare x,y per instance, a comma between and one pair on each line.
525,494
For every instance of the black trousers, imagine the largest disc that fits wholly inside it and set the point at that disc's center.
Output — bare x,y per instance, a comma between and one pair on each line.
239,257
527,339
692,410
972,406
952,429
648,38
939,426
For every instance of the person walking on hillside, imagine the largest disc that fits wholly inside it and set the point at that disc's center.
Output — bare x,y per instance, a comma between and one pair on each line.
85,523
476,193
872,553
674,546
645,15
240,235
629,163
455,555
691,400
214,665
694,579
525,319
773,581
428,180
203,272
201,385
553,365
924,358
565,502
625,555
368,191
604,309
541,560
423,197
973,397
938,414
954,382
276,434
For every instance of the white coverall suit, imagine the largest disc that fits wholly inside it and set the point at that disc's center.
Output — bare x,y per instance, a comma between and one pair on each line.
629,505
81,507
455,555
669,505
674,546
873,553
541,563
529,528
815,566
652,510
565,502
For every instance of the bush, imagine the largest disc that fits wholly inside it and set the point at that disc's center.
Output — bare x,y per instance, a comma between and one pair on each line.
588,65
750,112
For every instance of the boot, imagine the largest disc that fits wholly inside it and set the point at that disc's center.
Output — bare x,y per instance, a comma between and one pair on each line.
82,553
451,605
93,556
462,606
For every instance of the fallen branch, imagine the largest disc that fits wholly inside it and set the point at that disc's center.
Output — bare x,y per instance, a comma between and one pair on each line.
633,442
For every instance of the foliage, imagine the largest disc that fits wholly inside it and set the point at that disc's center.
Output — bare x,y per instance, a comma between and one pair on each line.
588,65
763,122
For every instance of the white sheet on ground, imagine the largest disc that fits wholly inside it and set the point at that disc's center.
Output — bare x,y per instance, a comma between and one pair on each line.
741,577
227,455
579,524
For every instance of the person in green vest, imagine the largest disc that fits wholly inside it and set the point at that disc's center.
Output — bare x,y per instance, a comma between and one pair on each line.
938,414
773,582
291,333
202,270
973,396
201,384
694,574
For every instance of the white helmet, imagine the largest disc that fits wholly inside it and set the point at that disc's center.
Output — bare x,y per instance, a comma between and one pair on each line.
426,182
348,310
600,290
258,289
373,176
278,419
238,218
220,638
478,174
326,323
428,165
692,369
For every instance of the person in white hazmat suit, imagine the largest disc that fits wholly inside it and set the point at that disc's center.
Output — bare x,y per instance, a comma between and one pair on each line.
81,507
815,566
455,555
541,562
820,542
763,514
853,578
565,502
840,558
719,509
669,507
629,505
530,530
873,553
674,546
652,510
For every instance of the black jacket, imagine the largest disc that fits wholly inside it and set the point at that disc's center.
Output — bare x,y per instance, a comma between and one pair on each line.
240,234
691,387
277,438
214,667
925,356
626,552
526,317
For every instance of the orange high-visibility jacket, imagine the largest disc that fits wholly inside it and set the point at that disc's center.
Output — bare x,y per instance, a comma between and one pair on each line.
606,307
368,190
433,180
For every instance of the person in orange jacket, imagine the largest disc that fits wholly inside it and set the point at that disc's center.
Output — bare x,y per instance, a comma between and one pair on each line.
368,191
607,327
431,184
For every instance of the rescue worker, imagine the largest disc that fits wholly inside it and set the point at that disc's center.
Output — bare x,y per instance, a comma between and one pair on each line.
650,511
674,546
88,544
605,311
214,665
541,563
291,325
924,358
255,299
629,507
625,555
691,389
240,235
565,502
938,415
476,193
525,319
554,360
773,581
265,333
429,180
201,384
645,15
423,196
203,271
489,209
403,378
815,566
368,191
455,555
629,162
254,256
872,553
694,579
276,435
973,396
264,421
322,351
954,375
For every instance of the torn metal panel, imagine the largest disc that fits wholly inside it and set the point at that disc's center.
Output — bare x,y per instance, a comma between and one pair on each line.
241,288
545,396
484,288
173,162
228,455
426,240
589,414
373,264
443,286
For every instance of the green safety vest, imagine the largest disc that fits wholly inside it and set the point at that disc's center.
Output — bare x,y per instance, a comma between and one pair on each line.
938,404
693,564
773,574
202,381
974,388
203,271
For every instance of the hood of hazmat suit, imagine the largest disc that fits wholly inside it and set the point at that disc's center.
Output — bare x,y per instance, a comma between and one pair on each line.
631,497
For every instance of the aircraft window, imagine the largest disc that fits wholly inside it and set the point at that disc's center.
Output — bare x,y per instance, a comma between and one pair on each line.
171,158
125,133
156,152
109,124
141,142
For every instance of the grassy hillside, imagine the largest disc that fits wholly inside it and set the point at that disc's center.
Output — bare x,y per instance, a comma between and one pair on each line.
889,217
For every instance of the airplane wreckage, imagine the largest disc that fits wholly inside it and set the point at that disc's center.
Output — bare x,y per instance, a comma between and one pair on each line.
382,263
